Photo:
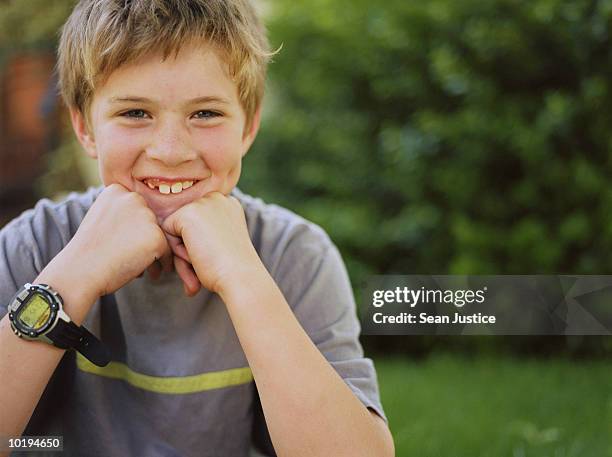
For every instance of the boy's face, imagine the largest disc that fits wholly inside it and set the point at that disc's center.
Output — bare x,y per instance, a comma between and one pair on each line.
150,135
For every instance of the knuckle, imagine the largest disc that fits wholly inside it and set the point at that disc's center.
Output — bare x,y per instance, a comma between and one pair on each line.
162,243
135,196
116,188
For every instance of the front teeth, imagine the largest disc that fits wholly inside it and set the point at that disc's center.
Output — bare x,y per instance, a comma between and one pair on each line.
175,188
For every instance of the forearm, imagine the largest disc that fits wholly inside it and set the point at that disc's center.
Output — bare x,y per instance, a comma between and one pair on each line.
26,366
309,409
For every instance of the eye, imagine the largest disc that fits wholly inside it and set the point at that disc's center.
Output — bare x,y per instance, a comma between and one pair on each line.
130,114
207,114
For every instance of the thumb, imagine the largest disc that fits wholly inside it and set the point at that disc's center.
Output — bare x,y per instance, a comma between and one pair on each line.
172,225
191,283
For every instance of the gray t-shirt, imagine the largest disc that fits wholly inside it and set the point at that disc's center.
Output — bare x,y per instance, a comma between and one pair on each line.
179,383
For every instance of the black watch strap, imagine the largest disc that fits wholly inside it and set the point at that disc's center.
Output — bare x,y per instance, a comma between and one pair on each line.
67,335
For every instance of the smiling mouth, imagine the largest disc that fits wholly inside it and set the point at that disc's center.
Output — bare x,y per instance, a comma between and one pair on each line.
168,187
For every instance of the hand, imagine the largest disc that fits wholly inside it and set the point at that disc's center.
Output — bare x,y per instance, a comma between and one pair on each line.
182,264
117,240
215,239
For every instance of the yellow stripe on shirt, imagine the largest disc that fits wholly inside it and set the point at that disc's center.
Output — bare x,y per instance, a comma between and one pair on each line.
168,384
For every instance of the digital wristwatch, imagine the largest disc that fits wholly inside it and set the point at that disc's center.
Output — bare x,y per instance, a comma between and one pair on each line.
36,313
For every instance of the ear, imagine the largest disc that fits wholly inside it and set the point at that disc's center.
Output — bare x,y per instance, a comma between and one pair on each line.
251,132
81,130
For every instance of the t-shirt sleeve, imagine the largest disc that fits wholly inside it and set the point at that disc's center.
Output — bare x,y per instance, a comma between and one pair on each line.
30,241
315,283
319,291
20,261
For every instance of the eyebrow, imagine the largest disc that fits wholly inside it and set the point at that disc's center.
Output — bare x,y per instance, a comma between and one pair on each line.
193,101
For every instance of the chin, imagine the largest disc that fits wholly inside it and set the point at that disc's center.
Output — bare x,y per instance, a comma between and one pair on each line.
163,210
163,205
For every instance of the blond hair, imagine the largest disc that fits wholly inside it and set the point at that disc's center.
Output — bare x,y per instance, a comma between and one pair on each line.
101,35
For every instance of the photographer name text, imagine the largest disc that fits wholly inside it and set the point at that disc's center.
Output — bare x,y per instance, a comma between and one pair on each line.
413,297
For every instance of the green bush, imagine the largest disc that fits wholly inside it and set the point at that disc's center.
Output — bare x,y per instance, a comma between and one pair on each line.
31,25
443,137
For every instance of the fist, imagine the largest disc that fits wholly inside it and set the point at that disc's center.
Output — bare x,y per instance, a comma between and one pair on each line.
215,239
117,240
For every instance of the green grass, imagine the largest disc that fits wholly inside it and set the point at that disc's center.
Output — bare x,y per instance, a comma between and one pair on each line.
452,406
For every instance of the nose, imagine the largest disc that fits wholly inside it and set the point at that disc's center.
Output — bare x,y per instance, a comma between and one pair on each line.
170,144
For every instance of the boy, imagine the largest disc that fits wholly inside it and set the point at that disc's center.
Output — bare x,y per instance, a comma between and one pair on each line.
262,347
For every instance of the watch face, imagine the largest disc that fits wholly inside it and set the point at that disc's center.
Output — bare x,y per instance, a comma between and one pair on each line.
35,312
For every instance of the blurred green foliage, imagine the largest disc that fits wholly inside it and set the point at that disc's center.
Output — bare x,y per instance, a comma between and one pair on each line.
31,24
444,137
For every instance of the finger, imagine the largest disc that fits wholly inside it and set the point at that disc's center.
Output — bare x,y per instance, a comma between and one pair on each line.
191,283
154,270
181,251
178,247
166,262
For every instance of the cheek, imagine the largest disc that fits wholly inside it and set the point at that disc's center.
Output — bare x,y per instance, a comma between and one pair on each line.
221,150
117,153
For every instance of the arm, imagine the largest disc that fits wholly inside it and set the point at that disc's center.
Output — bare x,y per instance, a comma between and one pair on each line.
309,409
116,241
24,383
